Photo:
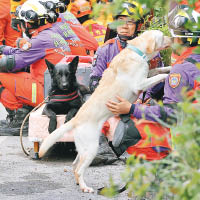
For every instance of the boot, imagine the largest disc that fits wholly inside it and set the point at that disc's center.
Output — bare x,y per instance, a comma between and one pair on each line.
11,126
9,117
105,155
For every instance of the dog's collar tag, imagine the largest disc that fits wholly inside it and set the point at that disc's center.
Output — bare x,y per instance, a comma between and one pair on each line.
136,50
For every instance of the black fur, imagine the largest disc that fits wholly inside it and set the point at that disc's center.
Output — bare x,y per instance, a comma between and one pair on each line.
63,77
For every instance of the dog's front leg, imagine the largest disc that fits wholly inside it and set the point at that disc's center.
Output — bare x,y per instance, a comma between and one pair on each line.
52,123
150,82
52,116
72,112
159,70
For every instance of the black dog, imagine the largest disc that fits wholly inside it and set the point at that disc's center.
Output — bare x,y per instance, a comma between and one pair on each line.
65,95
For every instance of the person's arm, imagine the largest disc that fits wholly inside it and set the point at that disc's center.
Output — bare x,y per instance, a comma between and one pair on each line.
7,50
15,59
175,82
98,67
153,113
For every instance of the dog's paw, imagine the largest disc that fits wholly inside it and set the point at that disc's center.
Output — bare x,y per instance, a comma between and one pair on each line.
51,129
164,69
163,76
52,125
87,190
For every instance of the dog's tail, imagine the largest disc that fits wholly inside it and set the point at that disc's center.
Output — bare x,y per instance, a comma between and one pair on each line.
54,137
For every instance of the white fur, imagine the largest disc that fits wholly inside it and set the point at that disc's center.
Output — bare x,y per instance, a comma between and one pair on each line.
127,76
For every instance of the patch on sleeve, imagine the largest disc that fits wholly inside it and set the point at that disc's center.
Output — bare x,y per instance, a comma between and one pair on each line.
26,46
174,80
23,44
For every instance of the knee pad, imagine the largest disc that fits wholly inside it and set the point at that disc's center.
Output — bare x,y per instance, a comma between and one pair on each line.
7,63
126,135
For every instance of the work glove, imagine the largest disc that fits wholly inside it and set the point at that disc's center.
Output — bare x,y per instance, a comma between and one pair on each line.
16,24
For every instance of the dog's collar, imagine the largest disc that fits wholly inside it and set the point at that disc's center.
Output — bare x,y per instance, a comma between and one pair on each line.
63,98
136,50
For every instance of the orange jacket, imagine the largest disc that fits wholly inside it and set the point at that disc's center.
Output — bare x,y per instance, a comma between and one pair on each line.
4,8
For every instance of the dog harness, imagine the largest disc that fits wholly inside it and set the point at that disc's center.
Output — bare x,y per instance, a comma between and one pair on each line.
64,98
136,50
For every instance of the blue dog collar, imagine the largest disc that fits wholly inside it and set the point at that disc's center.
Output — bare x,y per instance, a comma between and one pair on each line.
136,50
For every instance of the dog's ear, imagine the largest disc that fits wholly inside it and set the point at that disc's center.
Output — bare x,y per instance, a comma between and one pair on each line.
74,64
151,45
50,66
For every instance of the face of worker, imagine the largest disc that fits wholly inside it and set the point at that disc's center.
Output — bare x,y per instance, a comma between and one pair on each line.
128,28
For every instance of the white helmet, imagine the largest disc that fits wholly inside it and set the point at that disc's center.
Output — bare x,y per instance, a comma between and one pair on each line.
32,11
33,14
58,6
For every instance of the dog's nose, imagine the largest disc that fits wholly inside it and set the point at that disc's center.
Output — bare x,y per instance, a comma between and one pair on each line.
167,41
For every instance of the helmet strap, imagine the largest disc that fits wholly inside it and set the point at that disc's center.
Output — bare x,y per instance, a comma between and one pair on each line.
124,37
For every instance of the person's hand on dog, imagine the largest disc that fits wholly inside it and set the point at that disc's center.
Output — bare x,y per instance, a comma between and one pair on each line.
121,107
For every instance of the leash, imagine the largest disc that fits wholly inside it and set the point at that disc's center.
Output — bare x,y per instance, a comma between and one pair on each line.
99,190
22,126
53,98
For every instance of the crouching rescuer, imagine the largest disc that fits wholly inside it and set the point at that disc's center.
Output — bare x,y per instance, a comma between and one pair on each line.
22,69
138,131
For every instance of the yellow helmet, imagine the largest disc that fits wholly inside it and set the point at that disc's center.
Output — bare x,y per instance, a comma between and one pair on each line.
130,9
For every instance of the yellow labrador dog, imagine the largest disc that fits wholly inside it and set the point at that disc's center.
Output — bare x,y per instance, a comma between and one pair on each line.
127,76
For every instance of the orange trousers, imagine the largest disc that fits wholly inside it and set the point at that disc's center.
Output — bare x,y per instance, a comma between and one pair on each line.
20,89
7,33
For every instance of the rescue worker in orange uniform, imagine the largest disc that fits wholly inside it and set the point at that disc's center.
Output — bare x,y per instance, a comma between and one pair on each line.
7,34
20,91
184,74
81,10
85,43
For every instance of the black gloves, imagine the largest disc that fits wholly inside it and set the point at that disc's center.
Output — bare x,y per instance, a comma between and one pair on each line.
15,24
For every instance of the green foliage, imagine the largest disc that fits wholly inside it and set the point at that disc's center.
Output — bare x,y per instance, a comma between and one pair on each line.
178,175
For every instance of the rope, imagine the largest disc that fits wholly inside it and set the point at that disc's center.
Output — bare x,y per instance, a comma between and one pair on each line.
21,129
